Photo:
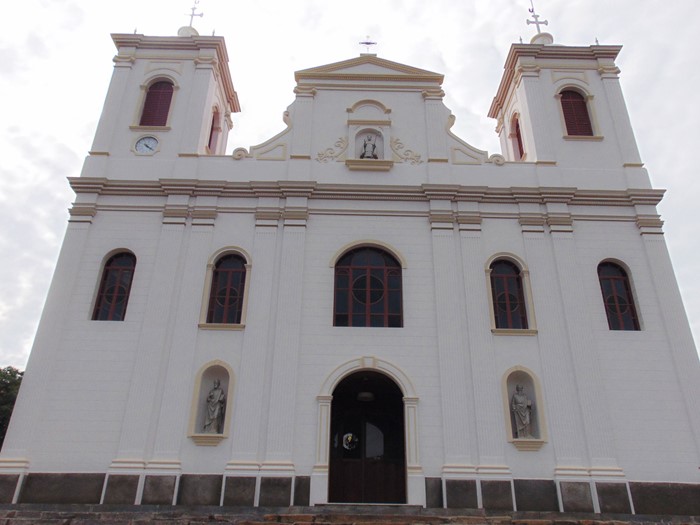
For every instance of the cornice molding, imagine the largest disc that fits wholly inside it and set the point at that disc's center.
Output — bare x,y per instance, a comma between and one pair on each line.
563,55
312,190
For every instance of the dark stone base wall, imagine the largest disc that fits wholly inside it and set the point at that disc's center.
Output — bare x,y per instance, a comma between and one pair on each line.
213,490
535,495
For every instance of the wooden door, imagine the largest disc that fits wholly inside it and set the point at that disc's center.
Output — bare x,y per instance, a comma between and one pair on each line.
367,459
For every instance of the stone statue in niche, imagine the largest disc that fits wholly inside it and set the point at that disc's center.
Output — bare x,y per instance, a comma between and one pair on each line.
215,409
369,148
522,412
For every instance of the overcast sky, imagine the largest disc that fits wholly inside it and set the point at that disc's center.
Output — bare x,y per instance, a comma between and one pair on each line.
56,63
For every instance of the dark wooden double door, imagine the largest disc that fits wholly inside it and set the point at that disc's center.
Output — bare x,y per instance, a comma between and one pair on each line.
367,450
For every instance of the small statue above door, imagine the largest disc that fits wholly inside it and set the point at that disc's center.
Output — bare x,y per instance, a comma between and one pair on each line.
369,147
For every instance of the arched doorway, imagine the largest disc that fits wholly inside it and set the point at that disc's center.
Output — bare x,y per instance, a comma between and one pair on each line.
367,447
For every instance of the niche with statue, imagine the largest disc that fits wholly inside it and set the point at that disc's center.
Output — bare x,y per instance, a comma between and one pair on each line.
525,419
369,145
211,405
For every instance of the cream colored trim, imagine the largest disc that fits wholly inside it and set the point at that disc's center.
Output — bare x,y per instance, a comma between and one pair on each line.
633,291
14,464
525,444
210,439
371,243
369,164
585,58
512,331
149,128
594,138
386,368
485,194
368,122
100,274
347,70
582,89
206,291
340,146
222,326
369,102
153,77
528,444
527,291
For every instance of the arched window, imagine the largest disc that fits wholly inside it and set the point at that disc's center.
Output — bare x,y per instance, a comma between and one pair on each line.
576,117
518,148
115,286
157,104
227,288
368,289
617,297
214,132
508,298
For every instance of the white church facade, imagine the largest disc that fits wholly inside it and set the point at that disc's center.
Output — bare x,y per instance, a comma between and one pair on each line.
365,308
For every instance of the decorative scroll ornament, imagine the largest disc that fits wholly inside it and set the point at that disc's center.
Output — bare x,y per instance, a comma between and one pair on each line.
333,153
240,153
405,156
497,159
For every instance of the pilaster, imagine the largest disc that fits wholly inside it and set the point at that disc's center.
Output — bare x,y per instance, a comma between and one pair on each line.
561,400
177,390
588,386
153,351
250,405
283,402
489,434
457,402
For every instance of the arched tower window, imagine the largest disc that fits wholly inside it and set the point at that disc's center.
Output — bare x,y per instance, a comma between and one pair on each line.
507,292
227,289
115,286
368,289
157,104
518,148
575,110
214,131
617,297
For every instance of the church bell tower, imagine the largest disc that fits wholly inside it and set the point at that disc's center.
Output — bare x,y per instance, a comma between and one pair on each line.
170,96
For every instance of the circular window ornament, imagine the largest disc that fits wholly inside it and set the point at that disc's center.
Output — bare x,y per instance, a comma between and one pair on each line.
507,302
362,294
226,297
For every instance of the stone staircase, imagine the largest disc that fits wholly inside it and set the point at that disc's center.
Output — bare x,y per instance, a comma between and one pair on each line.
26,514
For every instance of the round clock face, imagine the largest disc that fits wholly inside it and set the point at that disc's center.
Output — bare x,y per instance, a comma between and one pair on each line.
147,145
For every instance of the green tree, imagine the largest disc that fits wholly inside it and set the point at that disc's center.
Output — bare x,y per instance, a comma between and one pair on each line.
10,379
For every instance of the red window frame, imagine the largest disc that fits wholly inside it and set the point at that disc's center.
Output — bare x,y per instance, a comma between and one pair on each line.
518,138
157,104
368,289
115,288
618,300
509,307
227,289
214,132
576,117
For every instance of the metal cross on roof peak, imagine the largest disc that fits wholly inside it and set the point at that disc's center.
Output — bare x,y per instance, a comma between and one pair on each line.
367,43
536,20
193,9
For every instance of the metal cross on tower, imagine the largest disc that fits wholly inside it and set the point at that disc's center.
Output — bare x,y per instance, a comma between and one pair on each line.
193,9
536,17
367,43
